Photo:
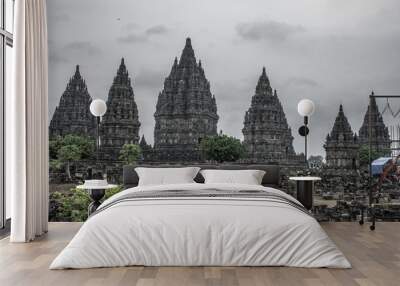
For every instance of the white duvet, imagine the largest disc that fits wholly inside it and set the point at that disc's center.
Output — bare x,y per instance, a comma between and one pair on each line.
193,231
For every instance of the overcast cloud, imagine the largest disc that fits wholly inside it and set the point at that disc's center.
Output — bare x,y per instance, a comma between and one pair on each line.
332,52
268,30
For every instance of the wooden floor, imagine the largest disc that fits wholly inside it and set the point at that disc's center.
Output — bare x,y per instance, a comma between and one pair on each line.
375,257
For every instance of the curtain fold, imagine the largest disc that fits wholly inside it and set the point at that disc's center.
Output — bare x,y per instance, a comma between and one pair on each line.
27,120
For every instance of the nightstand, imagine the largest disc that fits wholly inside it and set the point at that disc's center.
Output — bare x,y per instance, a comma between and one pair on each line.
305,187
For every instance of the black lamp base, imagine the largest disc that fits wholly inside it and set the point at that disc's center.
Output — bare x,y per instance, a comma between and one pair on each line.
305,193
96,196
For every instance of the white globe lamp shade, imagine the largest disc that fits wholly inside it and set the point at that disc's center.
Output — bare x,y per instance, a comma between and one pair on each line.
305,107
98,107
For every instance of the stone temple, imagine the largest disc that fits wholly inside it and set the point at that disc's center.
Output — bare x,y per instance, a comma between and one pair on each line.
120,125
379,132
72,116
341,146
147,150
186,111
267,136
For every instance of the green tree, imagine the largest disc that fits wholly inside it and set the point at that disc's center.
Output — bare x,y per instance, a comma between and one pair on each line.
130,153
222,148
64,151
68,154
55,164
375,154
86,145
55,144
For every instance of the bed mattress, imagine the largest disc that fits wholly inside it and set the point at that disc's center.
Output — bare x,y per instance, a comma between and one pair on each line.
201,225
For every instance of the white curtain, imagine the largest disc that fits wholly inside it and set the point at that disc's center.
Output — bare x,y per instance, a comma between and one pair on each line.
27,124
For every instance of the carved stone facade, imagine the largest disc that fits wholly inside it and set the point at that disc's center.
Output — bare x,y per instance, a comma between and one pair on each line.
147,150
341,146
72,115
120,125
267,136
379,132
186,111
143,144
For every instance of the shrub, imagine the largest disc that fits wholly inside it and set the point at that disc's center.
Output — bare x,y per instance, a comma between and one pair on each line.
222,148
130,153
73,205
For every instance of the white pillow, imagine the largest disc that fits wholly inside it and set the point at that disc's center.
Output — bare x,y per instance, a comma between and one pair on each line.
165,176
248,177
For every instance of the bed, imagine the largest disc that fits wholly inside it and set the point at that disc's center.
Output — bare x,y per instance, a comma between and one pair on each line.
201,224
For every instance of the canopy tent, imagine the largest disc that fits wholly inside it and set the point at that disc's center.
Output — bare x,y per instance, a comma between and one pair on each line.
378,165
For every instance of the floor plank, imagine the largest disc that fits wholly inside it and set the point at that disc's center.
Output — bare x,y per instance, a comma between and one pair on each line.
375,257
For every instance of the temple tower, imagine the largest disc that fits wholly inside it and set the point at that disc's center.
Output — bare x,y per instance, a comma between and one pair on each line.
143,144
379,132
186,111
120,124
341,146
267,136
72,115
147,150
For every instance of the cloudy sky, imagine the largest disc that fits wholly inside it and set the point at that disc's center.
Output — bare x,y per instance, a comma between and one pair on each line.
329,51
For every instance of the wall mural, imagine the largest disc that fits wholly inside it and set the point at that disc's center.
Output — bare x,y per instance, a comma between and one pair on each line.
186,120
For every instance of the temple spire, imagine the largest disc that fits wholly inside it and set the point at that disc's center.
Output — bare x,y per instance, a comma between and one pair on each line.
77,74
342,126
143,141
373,104
188,43
188,58
263,85
122,67
341,144
185,98
122,76
267,116
74,104
122,116
380,134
